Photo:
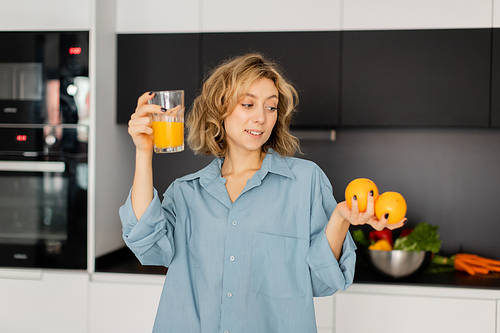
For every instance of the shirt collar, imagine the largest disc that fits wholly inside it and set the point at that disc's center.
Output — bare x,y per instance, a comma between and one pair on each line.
273,163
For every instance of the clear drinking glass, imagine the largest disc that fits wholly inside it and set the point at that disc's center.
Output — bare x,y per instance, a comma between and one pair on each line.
168,127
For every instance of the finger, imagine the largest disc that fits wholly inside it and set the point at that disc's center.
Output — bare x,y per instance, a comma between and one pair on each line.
370,207
397,225
354,208
148,109
172,112
377,224
140,129
134,121
143,100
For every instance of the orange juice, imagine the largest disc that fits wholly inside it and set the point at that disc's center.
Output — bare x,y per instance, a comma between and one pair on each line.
168,134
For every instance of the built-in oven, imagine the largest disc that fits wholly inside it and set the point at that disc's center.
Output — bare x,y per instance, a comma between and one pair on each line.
43,196
44,126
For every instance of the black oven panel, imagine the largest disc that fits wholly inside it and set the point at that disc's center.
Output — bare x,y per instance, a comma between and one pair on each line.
43,77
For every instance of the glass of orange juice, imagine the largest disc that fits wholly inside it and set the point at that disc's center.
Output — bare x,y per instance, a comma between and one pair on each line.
168,127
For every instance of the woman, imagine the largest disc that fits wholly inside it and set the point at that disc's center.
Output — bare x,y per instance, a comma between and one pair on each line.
252,237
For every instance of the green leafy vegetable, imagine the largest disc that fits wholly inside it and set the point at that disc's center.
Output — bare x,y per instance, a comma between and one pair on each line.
360,238
423,238
440,264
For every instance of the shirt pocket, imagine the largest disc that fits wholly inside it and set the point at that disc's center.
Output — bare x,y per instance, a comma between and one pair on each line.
278,266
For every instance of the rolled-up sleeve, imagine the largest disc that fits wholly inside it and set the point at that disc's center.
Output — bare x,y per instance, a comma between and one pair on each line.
151,238
327,274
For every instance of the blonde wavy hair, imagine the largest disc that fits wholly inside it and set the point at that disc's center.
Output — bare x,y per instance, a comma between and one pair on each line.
223,89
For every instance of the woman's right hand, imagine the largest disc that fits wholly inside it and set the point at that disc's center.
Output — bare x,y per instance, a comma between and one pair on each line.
140,123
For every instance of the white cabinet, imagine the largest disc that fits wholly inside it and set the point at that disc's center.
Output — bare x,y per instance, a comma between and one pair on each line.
423,14
496,13
153,16
498,316
124,303
127,303
415,310
43,301
324,308
270,15
48,15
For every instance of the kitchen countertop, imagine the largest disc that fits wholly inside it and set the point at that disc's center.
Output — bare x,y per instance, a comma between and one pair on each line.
124,261
445,279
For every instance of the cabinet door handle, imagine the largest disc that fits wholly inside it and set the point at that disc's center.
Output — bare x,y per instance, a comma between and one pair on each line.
32,166
18,274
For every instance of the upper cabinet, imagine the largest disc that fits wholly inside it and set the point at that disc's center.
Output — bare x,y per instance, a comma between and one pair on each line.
309,59
154,16
304,39
47,15
173,50
495,77
416,77
148,62
424,63
354,63
422,14
158,49
272,15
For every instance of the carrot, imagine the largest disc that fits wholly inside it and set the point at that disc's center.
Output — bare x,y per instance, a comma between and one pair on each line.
461,266
469,268
480,263
473,256
474,264
483,266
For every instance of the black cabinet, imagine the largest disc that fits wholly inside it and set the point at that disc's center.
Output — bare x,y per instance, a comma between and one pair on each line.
416,78
310,60
155,62
495,80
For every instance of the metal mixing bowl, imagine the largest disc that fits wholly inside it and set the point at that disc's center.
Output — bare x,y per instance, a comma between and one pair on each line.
399,264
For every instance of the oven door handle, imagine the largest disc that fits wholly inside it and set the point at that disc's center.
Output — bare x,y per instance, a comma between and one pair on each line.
32,166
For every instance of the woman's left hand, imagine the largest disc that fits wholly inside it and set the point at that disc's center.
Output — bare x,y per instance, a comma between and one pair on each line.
355,217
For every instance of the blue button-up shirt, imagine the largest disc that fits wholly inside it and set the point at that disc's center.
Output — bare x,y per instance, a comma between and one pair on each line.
244,267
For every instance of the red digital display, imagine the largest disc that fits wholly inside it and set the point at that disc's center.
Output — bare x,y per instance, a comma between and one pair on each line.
75,50
21,138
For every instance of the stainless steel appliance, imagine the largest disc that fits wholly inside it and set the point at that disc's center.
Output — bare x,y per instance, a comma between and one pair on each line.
44,90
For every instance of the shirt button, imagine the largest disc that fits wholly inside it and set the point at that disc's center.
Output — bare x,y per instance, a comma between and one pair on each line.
231,258
235,223
229,295
226,331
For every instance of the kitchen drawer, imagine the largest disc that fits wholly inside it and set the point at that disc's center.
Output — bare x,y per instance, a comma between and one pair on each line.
124,305
498,316
324,307
39,301
413,314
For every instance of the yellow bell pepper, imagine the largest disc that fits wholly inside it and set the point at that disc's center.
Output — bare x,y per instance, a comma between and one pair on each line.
381,245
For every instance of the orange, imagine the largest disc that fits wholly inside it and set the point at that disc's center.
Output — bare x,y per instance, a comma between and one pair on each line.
392,203
360,187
